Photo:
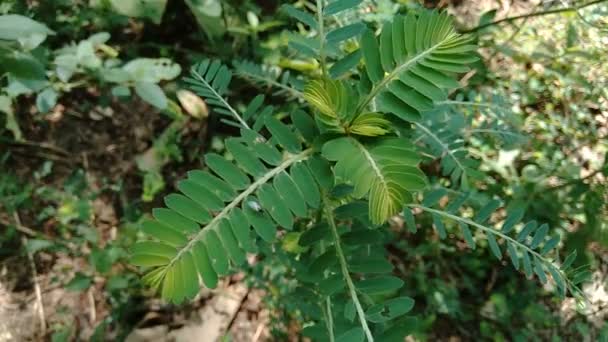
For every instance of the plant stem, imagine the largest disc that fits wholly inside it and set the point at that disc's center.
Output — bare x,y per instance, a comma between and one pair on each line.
241,197
330,319
497,233
321,37
535,14
346,274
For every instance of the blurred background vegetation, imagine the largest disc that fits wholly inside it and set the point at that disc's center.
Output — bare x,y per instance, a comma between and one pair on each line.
96,126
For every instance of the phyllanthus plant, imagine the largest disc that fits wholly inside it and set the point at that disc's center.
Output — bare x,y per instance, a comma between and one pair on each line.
330,175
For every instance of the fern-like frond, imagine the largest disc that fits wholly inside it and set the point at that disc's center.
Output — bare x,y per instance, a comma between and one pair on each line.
528,244
350,265
387,171
210,80
208,225
268,76
448,145
410,63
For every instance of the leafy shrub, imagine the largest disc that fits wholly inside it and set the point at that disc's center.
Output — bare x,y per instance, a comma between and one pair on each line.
329,178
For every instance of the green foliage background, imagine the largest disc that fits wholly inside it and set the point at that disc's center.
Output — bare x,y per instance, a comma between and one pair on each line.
527,125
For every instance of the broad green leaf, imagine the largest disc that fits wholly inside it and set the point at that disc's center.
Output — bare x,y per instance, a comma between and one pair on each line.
314,235
187,208
493,245
432,197
466,233
154,248
559,280
390,309
400,330
321,170
439,226
539,236
526,230
513,254
345,64
241,229
22,65
226,170
513,217
164,233
305,182
331,285
46,100
148,260
151,70
379,285
201,195
410,222
151,93
220,188
304,124
527,264
245,159
203,264
539,269
569,260
151,9
301,16
352,335
283,135
338,6
208,14
11,124
175,220
217,255
367,265
371,56
290,193
189,275
549,245
274,205
261,223
224,231
344,33
18,27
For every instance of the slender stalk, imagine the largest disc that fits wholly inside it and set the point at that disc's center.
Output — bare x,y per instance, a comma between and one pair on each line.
330,319
321,37
349,282
489,230
226,105
535,14
443,145
237,200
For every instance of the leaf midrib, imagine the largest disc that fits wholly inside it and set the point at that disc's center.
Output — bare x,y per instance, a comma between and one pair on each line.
395,73
221,99
237,200
445,147
372,163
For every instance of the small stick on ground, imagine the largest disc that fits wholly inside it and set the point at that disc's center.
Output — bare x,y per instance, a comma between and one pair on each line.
40,306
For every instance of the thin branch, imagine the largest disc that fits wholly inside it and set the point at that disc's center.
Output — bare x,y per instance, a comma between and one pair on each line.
321,37
272,82
226,105
344,268
330,319
573,288
445,147
534,14
237,200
